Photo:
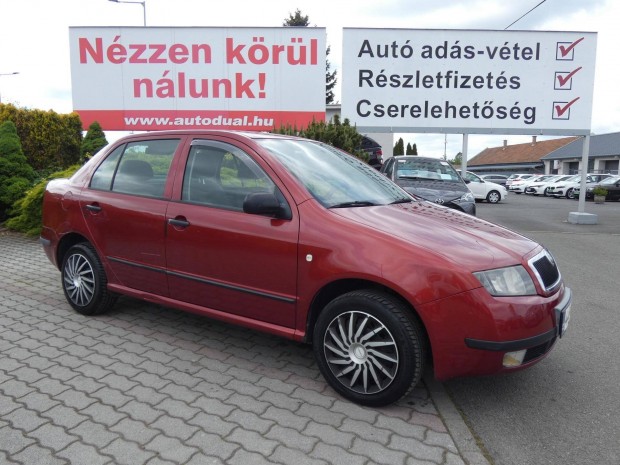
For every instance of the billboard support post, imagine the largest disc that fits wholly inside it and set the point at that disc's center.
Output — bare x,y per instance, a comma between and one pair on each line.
580,217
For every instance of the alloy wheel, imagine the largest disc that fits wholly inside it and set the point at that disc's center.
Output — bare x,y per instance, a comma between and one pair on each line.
361,352
79,280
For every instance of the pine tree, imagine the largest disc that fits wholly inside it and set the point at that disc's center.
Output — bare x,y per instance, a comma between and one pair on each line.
93,141
298,20
16,175
399,147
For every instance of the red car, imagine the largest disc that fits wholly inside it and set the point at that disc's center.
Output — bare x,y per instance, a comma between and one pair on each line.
293,237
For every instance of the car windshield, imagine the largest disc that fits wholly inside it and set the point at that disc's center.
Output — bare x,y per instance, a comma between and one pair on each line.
610,181
425,169
335,178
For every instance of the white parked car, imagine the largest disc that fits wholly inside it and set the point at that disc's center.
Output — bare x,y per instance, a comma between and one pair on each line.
484,190
516,177
519,186
566,188
542,187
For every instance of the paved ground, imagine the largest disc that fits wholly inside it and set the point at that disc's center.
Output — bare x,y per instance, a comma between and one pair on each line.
148,385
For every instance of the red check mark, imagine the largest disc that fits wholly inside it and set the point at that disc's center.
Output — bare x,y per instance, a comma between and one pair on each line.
566,50
564,79
560,110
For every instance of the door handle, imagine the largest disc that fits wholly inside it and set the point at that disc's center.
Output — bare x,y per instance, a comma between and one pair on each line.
178,222
93,208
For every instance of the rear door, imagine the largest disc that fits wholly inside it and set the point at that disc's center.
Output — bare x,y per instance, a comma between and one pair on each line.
124,208
220,257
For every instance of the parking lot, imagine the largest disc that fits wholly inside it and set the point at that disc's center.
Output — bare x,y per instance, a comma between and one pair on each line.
148,385
523,212
565,409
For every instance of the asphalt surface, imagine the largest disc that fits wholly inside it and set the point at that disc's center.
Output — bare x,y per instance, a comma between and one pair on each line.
150,385
566,409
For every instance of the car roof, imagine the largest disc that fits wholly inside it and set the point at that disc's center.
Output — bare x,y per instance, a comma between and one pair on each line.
210,132
415,157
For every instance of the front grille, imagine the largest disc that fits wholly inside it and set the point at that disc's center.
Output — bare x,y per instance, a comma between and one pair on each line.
546,270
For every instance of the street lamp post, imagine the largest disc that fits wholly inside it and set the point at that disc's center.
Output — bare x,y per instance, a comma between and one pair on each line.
7,74
141,3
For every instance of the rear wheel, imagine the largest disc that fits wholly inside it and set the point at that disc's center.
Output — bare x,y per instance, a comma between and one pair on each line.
369,347
84,281
493,197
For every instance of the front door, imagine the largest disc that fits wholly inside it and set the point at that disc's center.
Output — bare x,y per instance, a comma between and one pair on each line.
222,258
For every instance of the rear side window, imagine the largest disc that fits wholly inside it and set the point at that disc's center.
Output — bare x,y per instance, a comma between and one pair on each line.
139,168
102,179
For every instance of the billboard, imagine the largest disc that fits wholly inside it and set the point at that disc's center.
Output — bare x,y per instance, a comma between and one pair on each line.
468,81
130,78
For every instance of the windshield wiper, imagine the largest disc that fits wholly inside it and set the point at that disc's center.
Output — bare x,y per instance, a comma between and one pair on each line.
355,203
403,200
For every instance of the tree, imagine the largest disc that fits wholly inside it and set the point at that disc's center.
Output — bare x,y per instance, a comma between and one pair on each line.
399,147
457,160
50,141
414,149
93,141
299,20
16,175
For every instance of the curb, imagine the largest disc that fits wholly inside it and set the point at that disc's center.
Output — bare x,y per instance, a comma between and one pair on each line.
469,449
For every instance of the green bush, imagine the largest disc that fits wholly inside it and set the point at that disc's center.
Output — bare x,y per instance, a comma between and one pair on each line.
26,214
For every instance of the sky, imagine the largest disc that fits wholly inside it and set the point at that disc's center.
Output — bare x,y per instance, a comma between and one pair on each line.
34,41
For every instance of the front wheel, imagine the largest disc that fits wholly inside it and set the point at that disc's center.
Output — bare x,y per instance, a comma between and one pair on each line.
493,197
369,347
569,193
84,281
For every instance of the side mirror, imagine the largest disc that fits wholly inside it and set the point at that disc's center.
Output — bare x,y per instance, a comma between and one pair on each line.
266,204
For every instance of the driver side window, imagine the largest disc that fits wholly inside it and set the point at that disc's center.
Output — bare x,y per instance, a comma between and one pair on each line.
220,175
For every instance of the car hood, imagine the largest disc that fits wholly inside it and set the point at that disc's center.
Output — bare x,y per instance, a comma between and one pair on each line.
462,239
434,190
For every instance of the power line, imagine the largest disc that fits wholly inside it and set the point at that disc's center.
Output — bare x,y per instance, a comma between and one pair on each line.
523,16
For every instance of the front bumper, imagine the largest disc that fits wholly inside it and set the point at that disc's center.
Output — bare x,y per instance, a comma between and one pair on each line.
535,344
472,332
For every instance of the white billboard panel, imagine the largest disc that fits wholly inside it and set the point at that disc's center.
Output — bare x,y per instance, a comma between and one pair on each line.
469,81
129,78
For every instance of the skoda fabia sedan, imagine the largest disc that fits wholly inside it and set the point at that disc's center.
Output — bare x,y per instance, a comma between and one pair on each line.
298,239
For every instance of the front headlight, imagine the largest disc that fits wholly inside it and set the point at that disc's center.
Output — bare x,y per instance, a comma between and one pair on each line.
513,280
469,197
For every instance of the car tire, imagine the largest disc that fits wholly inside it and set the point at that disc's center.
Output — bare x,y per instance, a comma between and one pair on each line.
546,192
569,193
84,281
344,346
493,197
